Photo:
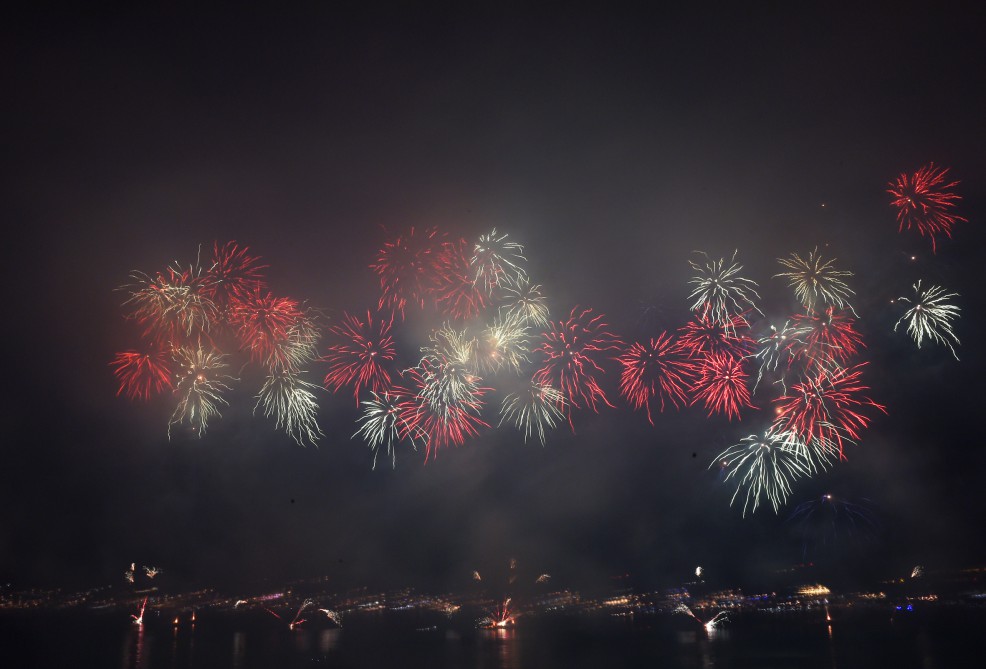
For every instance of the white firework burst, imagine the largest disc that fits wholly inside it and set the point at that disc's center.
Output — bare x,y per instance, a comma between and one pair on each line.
496,260
720,292
539,408
816,281
931,317
523,302
291,402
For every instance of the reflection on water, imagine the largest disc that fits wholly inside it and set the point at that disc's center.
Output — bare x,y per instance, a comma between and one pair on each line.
507,646
239,649
327,640
134,653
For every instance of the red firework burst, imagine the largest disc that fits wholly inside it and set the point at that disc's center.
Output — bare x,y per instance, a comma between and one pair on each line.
142,374
455,289
234,274
721,385
360,355
267,327
924,201
830,338
409,267
655,369
570,349
704,336
827,409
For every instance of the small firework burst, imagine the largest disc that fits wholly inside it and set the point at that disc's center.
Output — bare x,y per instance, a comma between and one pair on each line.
409,267
777,351
142,374
703,336
496,260
360,354
719,291
456,294
265,324
721,385
502,344
539,408
924,201
816,282
831,339
656,369
388,419
764,466
173,305
234,274
931,317
201,382
292,404
524,302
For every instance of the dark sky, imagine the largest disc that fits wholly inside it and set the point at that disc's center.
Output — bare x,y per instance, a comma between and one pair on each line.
610,144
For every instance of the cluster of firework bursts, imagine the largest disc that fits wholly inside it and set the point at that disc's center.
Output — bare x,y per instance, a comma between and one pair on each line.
497,332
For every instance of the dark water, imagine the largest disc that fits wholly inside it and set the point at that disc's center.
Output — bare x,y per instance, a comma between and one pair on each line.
943,638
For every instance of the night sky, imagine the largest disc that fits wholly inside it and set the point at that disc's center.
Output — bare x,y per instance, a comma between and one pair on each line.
611,145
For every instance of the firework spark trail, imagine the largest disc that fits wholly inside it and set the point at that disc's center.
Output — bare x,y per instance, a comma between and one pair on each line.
719,291
128,575
538,409
524,302
830,338
924,201
721,384
456,294
291,402
334,616
142,374
496,260
569,350
234,274
297,621
409,267
151,571
764,466
500,617
827,410
139,619
502,344
779,349
817,282
359,355
703,336
384,422
655,369
200,385
931,316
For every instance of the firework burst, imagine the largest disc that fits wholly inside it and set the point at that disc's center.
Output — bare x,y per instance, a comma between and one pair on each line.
816,282
456,293
523,302
569,351
931,316
537,409
502,344
291,402
234,274
827,410
924,201
778,350
173,305
719,291
360,354
142,374
764,466
655,370
830,338
703,336
721,385
269,328
409,267
201,382
387,419
496,260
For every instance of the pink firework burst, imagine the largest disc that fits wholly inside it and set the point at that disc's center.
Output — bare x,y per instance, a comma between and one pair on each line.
830,338
827,409
267,327
924,201
703,336
655,369
570,351
721,385
234,273
360,354
409,267
142,374
456,292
